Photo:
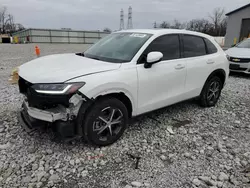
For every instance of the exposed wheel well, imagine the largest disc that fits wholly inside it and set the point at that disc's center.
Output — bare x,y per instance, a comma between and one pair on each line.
220,73
123,98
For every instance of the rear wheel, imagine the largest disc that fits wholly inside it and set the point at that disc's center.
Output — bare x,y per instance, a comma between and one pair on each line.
211,92
105,121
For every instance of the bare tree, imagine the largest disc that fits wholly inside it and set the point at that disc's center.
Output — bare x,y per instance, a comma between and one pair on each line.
3,19
10,26
7,24
178,25
223,27
19,27
217,17
216,25
164,25
107,30
155,25
199,25
175,25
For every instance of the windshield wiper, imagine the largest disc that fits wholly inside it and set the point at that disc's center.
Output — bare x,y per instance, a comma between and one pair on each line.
80,54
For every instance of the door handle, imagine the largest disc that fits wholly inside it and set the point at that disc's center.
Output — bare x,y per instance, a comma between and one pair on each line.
210,61
179,66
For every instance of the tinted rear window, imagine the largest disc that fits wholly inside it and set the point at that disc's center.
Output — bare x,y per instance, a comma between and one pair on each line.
193,46
210,47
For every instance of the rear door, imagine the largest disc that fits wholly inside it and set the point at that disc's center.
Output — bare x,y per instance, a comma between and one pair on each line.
200,55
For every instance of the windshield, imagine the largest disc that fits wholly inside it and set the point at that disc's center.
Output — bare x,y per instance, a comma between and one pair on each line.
117,47
244,44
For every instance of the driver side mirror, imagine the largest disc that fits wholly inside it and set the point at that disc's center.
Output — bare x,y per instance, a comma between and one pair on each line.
152,58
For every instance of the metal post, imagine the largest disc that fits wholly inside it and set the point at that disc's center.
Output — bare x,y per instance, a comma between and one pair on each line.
50,36
84,38
68,37
30,35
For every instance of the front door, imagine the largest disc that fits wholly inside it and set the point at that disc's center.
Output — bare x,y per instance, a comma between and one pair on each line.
163,84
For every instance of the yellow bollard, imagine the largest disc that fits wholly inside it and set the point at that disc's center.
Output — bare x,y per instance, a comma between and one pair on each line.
235,41
15,39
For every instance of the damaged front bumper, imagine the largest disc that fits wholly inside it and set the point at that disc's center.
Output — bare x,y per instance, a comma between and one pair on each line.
62,119
50,115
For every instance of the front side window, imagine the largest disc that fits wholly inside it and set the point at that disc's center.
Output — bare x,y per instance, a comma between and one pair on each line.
193,46
244,44
117,47
168,45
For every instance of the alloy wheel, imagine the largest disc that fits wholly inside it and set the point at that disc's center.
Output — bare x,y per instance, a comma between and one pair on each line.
214,91
108,124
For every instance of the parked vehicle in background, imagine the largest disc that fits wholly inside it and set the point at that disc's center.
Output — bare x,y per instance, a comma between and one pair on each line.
127,73
239,57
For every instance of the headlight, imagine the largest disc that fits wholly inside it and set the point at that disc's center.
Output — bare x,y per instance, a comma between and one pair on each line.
228,57
68,88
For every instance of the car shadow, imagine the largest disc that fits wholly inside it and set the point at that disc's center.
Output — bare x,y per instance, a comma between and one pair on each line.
172,112
240,75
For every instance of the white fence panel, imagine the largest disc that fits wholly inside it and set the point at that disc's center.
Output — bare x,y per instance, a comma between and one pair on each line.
60,39
96,35
40,32
40,39
76,40
220,40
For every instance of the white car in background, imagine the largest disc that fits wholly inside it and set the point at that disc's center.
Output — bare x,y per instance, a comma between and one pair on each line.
239,57
127,73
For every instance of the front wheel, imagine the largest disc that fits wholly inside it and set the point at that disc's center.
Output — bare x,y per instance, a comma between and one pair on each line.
105,121
211,92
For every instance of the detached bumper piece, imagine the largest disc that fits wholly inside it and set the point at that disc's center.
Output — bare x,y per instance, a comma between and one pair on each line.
25,121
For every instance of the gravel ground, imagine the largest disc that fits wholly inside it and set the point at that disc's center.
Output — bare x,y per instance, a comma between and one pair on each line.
180,146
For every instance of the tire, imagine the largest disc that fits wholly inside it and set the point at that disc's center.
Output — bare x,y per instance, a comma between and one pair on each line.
99,116
211,92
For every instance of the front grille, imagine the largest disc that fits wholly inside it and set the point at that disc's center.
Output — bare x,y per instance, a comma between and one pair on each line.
239,60
39,100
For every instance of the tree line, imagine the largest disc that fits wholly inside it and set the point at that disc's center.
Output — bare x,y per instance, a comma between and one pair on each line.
215,24
7,24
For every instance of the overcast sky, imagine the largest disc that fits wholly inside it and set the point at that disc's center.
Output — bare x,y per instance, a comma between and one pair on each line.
97,14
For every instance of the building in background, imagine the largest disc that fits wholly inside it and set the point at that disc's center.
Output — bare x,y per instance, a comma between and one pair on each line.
4,38
238,26
57,36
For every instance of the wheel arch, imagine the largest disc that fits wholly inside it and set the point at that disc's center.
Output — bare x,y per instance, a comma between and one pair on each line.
120,95
218,72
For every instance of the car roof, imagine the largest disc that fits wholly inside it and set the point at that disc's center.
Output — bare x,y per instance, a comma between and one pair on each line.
159,32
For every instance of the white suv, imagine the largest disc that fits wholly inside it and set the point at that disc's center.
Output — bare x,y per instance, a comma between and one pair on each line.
93,94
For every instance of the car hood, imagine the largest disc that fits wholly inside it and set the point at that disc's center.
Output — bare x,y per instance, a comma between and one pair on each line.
239,52
62,67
